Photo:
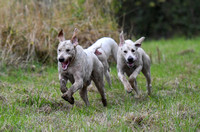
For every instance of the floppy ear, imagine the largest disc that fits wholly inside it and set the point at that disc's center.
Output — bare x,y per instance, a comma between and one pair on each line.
61,36
121,38
97,52
138,43
74,39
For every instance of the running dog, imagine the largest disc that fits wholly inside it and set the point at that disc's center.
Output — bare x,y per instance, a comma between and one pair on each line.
108,47
79,66
131,59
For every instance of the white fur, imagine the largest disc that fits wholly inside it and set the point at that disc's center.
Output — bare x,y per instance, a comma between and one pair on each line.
131,59
108,47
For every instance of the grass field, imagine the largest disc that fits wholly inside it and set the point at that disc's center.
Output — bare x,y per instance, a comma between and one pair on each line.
30,98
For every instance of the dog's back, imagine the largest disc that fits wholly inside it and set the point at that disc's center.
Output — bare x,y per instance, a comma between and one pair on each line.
108,45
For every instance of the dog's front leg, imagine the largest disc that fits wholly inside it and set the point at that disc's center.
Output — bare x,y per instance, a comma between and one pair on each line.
132,78
63,87
78,84
63,82
125,82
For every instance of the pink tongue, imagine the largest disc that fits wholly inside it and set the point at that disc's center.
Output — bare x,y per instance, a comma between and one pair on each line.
130,65
65,65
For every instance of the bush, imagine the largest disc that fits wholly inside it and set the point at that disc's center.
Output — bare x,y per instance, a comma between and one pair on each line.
158,18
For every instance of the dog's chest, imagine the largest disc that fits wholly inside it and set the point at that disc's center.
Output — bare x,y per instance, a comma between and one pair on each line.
128,70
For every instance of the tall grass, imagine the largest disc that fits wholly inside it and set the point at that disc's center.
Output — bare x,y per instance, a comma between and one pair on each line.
29,28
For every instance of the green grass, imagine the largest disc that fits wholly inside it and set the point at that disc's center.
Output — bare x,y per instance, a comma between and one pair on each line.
30,98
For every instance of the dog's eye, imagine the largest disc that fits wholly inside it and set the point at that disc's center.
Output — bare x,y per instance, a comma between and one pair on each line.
125,51
132,50
67,50
59,50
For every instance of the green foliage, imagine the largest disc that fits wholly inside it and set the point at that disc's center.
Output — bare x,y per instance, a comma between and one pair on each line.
159,18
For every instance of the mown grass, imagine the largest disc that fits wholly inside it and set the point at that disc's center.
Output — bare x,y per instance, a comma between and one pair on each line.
31,99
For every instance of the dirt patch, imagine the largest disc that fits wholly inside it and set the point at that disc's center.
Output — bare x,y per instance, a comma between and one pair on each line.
46,109
143,120
184,52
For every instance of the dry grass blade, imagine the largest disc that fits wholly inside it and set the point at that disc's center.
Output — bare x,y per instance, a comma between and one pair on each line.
29,29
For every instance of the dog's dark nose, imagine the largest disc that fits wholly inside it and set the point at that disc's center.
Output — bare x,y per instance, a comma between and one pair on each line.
61,59
130,59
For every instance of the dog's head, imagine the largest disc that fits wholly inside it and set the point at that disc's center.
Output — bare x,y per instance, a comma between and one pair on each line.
129,49
66,49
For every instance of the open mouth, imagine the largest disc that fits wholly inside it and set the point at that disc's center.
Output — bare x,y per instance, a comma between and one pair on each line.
65,64
130,64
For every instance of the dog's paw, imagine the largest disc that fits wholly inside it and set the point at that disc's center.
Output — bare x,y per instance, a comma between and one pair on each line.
129,90
104,101
69,99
